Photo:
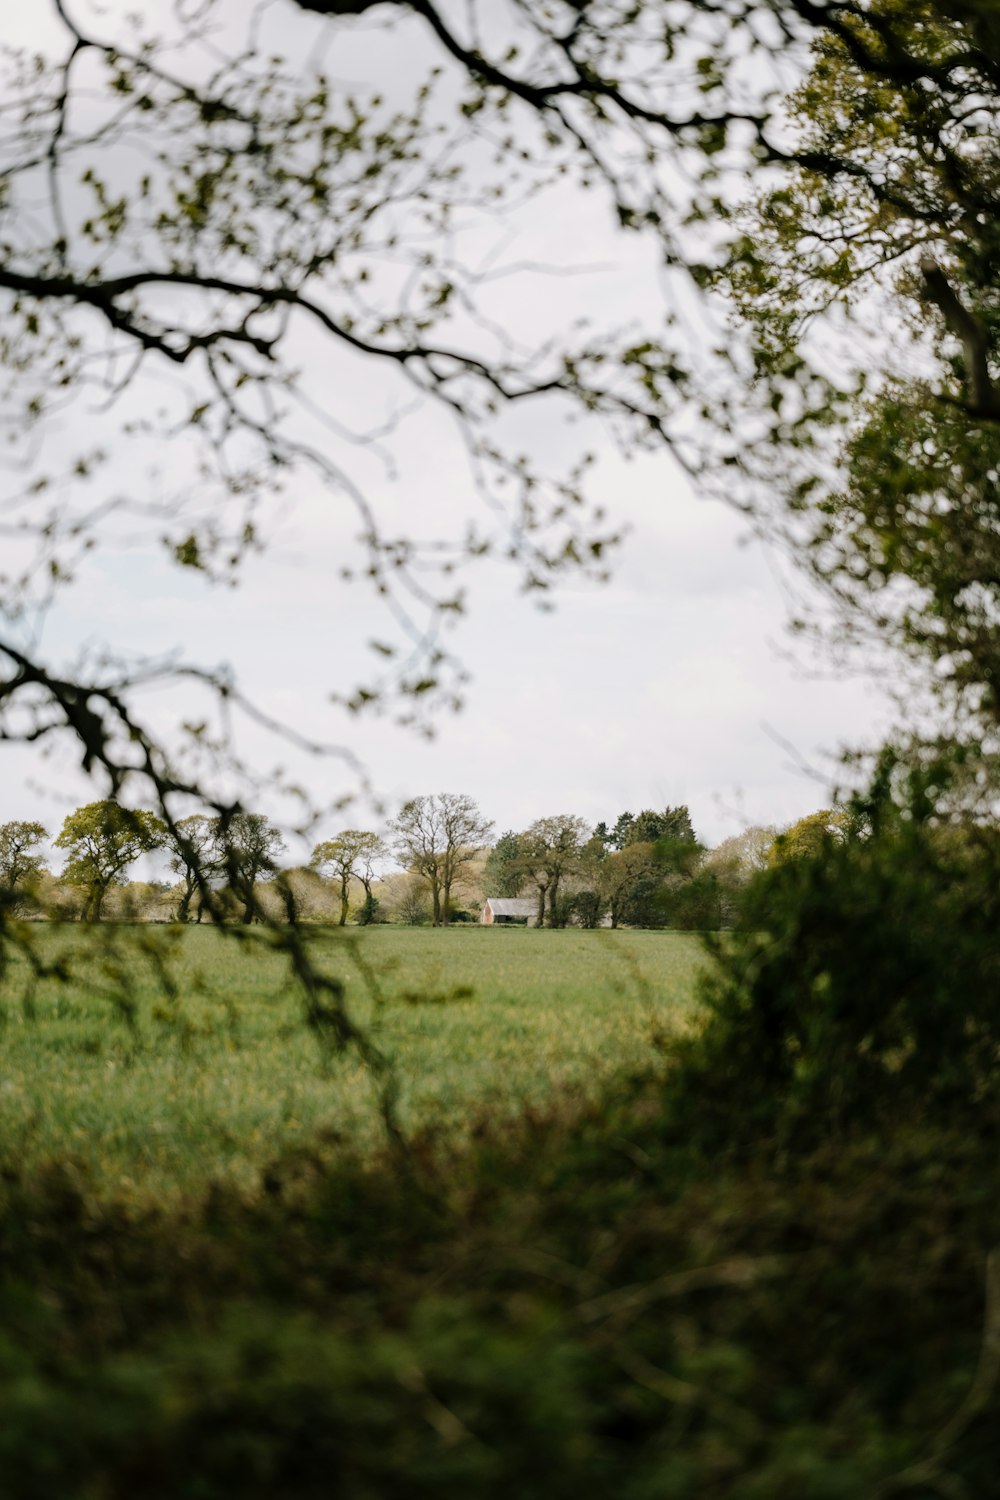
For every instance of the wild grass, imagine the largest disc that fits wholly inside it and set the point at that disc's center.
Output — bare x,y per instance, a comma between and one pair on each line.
158,1094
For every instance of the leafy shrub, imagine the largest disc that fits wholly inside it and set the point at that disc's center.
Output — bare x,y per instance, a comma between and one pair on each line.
863,980
695,905
586,908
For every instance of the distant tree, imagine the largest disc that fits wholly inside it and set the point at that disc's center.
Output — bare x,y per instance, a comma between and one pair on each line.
551,849
411,904
733,864
621,830
648,827
593,853
692,905
19,858
372,853
504,873
604,835
350,855
629,880
435,836
195,857
812,835
743,853
102,840
587,908
248,846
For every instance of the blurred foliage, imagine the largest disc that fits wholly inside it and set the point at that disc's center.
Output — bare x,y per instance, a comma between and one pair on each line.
862,985
604,1298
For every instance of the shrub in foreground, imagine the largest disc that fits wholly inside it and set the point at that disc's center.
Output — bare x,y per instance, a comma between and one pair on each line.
862,984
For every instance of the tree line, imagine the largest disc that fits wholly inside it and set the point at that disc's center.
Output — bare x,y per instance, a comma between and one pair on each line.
648,869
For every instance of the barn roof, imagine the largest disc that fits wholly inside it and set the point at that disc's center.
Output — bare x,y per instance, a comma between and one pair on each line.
505,906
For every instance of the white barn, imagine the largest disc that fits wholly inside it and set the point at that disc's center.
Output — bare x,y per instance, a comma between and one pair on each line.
501,910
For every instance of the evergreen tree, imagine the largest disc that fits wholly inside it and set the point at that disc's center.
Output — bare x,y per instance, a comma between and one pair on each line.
504,873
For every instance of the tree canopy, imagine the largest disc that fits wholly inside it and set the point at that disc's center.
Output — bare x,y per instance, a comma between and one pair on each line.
101,841
207,220
435,836
349,855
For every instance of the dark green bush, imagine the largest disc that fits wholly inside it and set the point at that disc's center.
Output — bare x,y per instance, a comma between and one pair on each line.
695,905
862,981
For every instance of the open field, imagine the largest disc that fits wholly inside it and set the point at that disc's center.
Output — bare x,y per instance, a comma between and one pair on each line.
208,1086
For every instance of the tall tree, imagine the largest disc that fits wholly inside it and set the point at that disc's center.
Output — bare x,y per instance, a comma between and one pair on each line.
622,829
735,862
102,840
503,874
435,836
812,835
350,855
196,857
550,849
648,827
875,251
372,853
628,880
248,847
19,857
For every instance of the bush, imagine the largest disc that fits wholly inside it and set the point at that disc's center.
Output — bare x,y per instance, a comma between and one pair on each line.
368,912
586,909
694,906
863,981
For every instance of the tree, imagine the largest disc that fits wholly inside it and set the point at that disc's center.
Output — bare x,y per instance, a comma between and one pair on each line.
351,855
102,840
371,854
195,859
628,878
622,829
435,837
404,899
887,218
811,836
550,849
735,862
248,848
19,858
503,874
648,827
586,908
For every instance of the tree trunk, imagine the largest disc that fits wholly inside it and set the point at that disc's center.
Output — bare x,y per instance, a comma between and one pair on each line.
343,901
553,898
541,905
92,911
445,903
184,910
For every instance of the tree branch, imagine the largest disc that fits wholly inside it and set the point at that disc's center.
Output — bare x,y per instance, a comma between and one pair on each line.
971,334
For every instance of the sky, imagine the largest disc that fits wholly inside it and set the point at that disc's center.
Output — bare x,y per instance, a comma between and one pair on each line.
675,682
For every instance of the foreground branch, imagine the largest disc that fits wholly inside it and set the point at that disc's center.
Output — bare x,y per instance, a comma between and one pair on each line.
971,334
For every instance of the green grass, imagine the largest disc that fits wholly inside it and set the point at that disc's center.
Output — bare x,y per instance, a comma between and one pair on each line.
156,1097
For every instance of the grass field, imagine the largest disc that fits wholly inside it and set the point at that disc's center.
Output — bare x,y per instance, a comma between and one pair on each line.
157,1097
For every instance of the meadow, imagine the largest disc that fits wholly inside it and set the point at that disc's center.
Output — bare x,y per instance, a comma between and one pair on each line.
158,1090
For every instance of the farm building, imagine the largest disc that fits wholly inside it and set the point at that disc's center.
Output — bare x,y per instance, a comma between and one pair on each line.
501,910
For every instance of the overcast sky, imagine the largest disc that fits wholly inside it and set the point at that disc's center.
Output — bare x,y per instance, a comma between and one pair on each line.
673,683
